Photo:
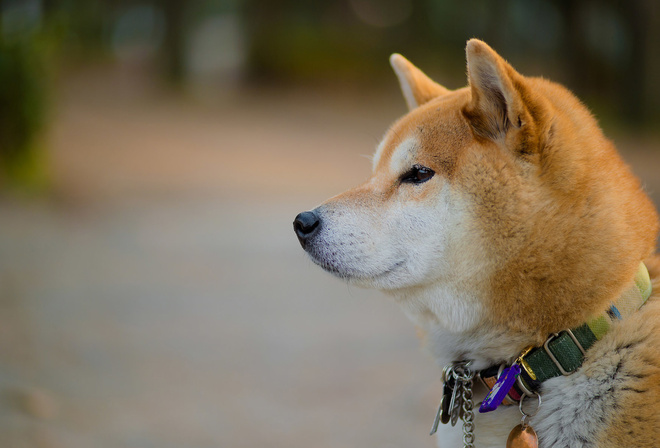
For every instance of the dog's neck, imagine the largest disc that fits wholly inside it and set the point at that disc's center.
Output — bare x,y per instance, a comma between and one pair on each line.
448,305
456,326
484,346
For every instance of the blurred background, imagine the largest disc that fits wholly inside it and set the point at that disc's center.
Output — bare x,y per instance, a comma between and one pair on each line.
153,155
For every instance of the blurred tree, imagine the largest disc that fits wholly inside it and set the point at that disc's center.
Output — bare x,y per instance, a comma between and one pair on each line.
27,41
22,108
173,50
632,96
607,47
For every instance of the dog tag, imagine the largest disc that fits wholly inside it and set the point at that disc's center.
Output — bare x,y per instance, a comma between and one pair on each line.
500,389
439,415
443,410
448,390
522,436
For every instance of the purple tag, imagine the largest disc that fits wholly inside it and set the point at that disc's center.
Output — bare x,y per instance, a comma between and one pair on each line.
500,389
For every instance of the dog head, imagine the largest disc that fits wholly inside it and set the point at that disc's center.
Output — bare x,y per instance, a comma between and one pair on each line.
500,202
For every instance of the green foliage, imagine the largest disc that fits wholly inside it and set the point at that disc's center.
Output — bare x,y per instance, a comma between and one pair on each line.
24,85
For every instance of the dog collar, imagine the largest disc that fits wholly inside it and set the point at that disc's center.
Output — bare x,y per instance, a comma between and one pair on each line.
562,353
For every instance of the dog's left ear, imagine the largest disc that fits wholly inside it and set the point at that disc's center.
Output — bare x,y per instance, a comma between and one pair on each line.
496,105
417,88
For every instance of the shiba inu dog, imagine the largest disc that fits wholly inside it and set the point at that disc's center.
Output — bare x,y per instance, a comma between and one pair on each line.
513,235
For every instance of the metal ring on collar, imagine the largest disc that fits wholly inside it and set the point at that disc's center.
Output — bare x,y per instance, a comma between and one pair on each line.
522,400
524,388
461,370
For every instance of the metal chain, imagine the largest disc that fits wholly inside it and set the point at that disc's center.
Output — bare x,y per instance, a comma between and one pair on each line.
468,413
466,377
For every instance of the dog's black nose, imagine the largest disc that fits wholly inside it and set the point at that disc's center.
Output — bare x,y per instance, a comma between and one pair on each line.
305,224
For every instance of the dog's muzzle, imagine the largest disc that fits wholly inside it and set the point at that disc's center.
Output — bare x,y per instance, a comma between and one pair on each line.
306,225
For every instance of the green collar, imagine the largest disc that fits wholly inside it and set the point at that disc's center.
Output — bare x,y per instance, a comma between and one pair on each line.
563,352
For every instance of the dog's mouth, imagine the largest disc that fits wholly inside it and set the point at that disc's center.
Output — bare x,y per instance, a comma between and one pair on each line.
350,274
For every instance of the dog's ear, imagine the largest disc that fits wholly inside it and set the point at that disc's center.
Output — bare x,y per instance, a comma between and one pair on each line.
416,86
496,104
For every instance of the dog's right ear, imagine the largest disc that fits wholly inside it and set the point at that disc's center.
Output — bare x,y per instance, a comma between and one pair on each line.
416,86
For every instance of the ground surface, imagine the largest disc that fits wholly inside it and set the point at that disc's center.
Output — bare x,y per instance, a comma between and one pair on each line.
160,298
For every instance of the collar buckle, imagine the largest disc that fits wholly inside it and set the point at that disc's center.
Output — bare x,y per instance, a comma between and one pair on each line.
520,360
552,356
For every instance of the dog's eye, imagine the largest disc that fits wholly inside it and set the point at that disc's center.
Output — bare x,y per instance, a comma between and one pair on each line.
418,174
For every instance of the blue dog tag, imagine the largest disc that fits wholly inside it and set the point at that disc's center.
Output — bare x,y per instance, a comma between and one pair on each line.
500,389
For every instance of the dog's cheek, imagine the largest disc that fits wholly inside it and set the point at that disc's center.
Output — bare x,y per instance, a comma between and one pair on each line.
422,233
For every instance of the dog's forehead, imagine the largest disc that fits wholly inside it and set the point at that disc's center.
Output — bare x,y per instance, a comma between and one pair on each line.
431,135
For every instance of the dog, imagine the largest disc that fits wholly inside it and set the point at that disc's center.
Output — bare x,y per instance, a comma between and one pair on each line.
515,238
